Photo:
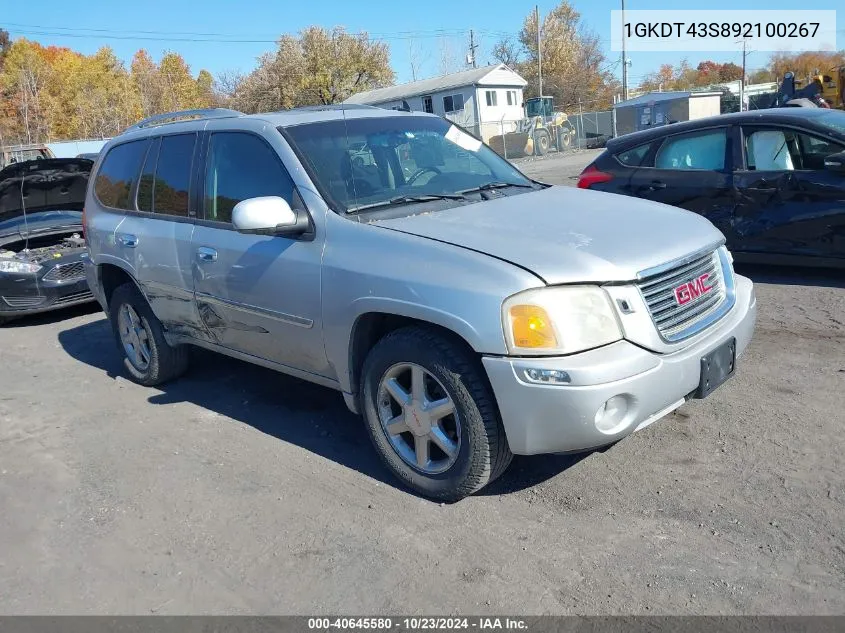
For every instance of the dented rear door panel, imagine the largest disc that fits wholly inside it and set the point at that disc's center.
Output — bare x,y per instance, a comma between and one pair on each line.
799,212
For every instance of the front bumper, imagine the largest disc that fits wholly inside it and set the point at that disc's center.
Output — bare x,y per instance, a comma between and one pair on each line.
644,386
22,293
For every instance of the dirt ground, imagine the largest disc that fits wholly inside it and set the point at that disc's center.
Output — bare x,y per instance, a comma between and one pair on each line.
238,490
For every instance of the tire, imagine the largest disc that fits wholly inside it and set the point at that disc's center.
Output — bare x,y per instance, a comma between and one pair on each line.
565,136
163,361
481,451
542,143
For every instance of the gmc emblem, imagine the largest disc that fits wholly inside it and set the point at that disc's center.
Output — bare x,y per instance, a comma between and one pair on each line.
692,289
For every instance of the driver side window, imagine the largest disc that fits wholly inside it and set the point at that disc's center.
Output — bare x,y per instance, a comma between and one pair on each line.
786,150
241,166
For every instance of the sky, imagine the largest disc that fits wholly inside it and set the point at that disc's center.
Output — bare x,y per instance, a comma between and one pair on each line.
225,35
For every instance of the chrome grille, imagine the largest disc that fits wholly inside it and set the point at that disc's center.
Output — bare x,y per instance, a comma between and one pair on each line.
674,321
66,272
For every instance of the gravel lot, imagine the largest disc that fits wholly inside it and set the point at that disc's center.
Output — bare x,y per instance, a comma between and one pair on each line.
238,490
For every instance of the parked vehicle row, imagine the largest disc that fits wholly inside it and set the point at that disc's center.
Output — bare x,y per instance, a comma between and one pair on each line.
772,181
466,311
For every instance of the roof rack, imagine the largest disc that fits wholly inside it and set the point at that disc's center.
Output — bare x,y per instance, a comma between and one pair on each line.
331,107
183,115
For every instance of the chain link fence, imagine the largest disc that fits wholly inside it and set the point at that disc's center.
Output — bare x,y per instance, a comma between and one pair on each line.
514,138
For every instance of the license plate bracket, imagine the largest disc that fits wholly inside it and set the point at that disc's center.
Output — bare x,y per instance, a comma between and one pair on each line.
716,368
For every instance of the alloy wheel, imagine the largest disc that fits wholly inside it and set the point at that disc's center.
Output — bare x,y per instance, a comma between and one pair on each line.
419,418
135,337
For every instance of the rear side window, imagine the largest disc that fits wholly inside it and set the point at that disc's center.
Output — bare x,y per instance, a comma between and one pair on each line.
635,157
241,166
699,150
145,185
173,174
117,174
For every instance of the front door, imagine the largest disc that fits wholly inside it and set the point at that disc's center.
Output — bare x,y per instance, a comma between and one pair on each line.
787,202
256,294
690,171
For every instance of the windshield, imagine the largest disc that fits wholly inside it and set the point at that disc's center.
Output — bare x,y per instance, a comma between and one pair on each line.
374,161
833,119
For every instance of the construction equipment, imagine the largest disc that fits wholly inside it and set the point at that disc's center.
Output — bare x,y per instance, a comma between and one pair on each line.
541,130
821,90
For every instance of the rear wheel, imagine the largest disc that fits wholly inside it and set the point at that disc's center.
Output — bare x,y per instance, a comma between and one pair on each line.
147,357
542,142
431,416
565,137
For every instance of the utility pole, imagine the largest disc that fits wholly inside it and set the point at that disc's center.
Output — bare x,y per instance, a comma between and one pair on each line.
472,47
742,79
539,54
624,58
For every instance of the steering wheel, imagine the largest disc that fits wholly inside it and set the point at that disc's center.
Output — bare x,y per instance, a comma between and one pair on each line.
420,172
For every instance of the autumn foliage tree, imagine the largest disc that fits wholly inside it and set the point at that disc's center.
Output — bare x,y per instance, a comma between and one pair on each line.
317,66
574,67
52,93
711,74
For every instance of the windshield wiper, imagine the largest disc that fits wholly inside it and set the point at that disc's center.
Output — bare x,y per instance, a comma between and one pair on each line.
497,185
425,197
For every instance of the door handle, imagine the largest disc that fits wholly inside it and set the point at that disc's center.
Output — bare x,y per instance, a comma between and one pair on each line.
207,254
654,185
128,240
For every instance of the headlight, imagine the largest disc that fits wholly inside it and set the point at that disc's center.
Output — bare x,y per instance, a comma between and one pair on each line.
560,320
17,266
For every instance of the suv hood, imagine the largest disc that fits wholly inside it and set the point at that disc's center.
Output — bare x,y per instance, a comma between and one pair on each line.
567,235
50,191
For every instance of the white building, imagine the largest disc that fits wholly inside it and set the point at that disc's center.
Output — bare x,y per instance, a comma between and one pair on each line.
483,100
751,89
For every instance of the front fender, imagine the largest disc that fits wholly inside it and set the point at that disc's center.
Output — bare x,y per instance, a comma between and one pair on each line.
372,269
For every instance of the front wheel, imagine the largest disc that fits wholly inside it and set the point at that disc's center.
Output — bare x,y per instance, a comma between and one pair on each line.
147,357
542,143
431,416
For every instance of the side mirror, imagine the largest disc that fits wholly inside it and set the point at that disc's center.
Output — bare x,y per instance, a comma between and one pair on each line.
835,163
268,215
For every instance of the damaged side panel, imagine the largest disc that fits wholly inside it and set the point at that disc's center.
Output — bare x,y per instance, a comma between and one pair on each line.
790,213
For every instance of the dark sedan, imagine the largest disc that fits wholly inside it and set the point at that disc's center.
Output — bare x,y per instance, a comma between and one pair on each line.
41,241
773,181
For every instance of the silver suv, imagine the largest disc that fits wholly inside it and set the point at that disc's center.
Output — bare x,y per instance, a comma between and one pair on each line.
465,310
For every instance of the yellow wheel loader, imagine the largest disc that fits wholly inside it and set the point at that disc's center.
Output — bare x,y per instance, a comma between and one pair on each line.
825,89
540,131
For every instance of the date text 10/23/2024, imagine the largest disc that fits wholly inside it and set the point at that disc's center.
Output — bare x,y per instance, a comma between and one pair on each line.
417,623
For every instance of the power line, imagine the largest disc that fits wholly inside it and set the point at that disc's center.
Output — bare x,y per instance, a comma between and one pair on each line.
188,36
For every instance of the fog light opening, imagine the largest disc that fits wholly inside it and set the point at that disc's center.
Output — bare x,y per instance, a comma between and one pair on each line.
547,376
612,417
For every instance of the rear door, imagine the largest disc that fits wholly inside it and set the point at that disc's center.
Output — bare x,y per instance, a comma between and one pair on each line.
155,236
692,171
788,203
